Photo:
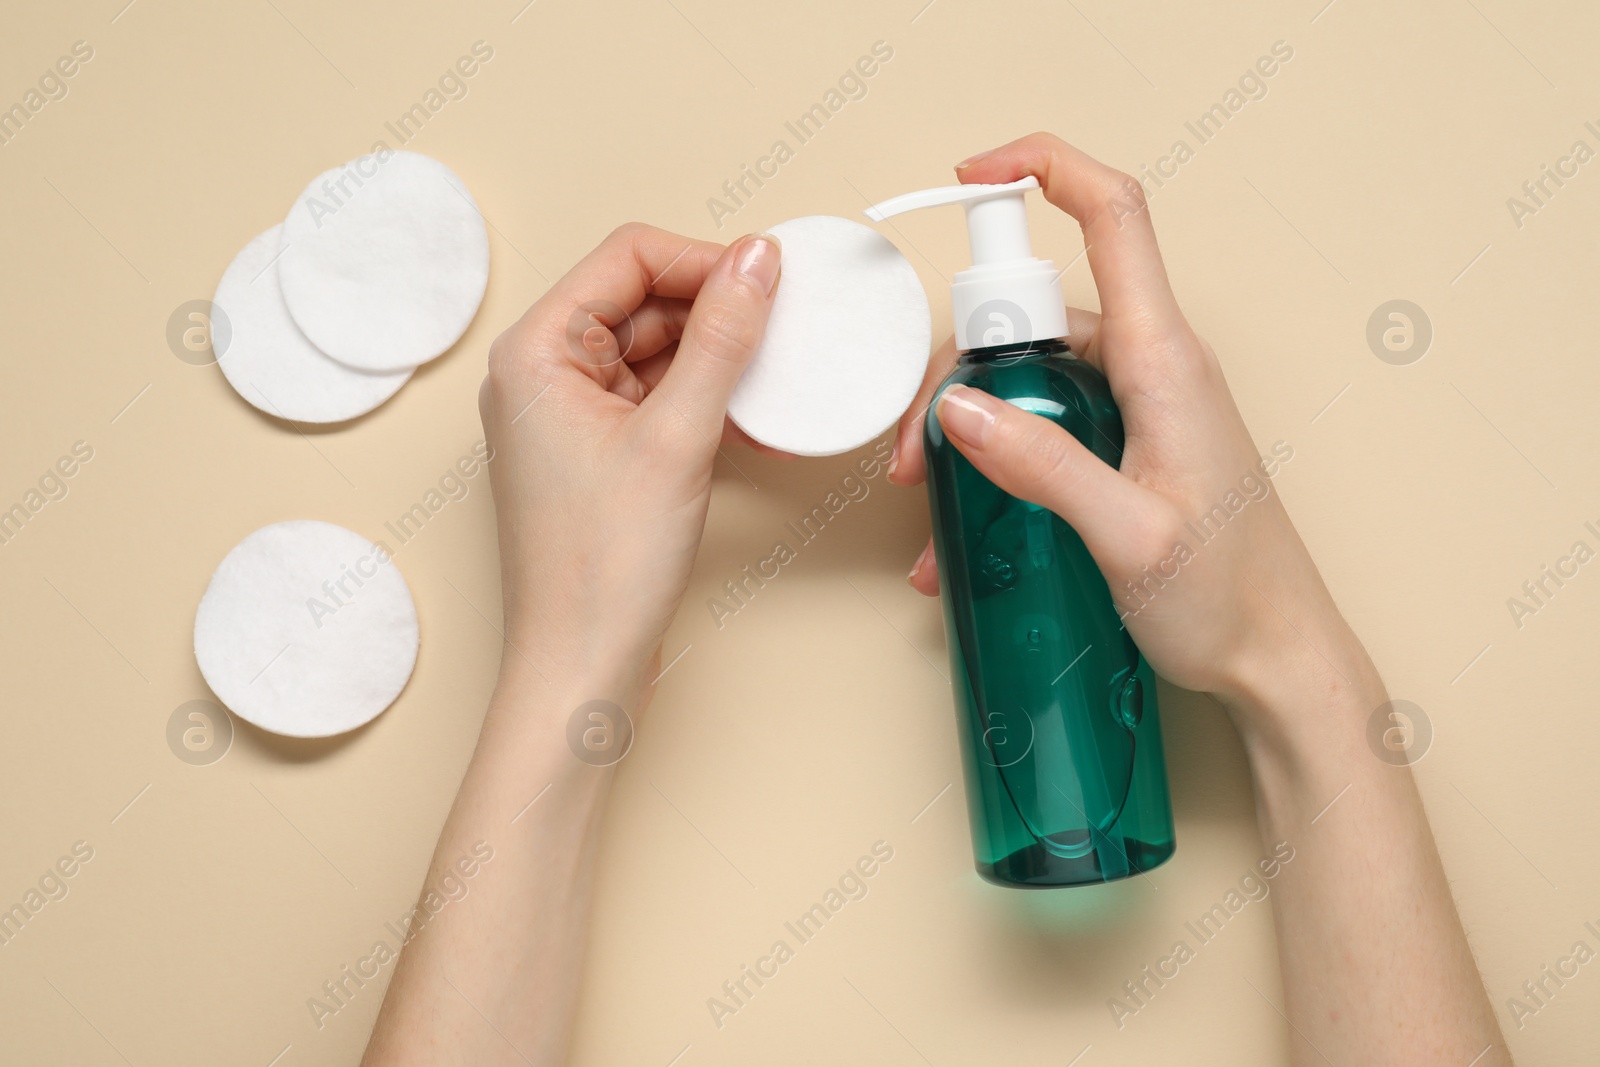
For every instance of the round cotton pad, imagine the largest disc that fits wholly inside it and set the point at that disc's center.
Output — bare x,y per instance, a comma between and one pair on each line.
846,346
269,362
306,629
385,260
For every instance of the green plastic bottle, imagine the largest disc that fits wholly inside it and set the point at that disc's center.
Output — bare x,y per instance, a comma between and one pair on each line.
1060,735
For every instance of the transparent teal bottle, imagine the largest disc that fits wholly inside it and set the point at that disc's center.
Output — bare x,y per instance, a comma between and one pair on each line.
1060,734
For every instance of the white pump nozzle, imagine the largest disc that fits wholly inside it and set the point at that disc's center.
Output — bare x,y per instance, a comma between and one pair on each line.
1006,296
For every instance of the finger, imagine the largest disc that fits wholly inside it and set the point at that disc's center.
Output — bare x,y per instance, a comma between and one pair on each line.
639,334
906,466
635,260
547,344
1111,208
1032,458
604,342
924,576
725,327
650,371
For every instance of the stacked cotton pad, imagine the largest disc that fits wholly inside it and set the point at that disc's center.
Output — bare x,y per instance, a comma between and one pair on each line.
379,268
307,629
846,347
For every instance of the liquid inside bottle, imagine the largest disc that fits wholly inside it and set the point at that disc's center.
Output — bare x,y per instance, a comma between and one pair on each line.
1060,733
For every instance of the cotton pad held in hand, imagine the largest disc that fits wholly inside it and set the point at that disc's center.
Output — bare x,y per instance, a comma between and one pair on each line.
269,362
306,629
846,346
385,260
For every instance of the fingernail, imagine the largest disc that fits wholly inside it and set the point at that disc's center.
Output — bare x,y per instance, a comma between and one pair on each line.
758,261
970,160
917,566
894,458
968,413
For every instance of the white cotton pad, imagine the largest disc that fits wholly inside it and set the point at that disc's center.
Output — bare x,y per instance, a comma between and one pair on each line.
846,346
385,260
269,362
306,629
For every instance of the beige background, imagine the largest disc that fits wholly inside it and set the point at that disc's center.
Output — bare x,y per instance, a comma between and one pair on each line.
816,721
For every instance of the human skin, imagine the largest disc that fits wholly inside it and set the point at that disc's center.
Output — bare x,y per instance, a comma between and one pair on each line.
604,437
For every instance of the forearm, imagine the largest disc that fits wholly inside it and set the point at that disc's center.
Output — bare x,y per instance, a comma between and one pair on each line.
1376,967
492,977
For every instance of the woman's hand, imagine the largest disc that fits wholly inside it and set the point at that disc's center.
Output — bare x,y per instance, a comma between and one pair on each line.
1195,546
605,406
1221,596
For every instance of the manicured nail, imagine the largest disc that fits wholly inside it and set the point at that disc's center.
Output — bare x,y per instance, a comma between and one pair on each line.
970,160
758,261
968,414
917,566
894,458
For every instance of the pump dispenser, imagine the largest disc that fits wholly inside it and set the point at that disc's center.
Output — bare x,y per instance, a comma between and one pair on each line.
1060,734
1006,296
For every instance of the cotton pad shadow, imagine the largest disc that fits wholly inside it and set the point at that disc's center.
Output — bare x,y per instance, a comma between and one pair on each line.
307,629
270,363
846,347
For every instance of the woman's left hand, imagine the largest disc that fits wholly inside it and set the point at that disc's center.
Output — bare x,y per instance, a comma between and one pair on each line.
604,407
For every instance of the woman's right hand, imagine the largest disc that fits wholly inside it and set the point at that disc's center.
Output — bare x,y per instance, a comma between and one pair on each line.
1198,550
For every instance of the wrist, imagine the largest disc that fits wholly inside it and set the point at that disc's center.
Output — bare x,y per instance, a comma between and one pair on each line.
580,639
1302,710
573,721
560,662
1301,691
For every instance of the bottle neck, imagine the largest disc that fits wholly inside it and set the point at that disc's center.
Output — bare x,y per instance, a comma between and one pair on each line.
1003,355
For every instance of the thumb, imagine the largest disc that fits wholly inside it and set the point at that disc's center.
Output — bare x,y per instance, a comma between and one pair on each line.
724,329
1032,458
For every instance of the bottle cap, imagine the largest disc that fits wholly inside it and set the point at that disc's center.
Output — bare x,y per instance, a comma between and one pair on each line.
1006,296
